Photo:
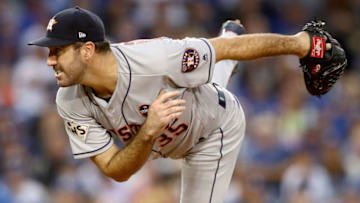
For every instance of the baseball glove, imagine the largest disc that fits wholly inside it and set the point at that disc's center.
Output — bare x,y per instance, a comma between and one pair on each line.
321,67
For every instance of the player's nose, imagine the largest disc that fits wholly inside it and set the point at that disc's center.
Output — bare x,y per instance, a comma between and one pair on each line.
51,60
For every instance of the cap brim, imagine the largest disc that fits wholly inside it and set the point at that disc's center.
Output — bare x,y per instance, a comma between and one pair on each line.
50,42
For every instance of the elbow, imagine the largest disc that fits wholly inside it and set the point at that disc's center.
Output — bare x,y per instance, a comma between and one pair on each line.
121,178
118,177
221,46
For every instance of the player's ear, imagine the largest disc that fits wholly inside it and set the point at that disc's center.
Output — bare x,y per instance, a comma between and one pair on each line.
87,50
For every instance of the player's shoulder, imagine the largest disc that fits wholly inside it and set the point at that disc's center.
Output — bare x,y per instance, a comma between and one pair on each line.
141,42
151,46
70,97
67,93
154,42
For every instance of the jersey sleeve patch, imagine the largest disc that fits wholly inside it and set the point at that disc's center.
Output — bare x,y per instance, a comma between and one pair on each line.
190,60
79,131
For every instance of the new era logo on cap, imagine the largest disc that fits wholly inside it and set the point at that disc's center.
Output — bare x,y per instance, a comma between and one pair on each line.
82,35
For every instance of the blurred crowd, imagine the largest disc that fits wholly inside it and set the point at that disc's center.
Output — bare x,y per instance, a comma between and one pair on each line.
298,148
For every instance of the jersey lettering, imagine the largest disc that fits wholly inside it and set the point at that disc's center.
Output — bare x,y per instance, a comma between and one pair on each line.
128,132
164,139
125,133
179,129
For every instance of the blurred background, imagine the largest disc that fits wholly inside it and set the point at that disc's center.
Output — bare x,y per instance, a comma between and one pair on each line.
298,148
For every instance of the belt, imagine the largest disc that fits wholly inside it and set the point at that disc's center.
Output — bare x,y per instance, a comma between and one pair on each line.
221,95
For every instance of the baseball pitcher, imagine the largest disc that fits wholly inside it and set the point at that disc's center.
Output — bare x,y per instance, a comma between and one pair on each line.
162,97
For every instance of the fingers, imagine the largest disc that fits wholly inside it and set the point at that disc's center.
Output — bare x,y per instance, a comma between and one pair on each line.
163,110
165,96
174,116
171,108
175,110
166,105
162,92
176,102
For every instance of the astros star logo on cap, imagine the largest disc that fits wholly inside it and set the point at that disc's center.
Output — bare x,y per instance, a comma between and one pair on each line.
72,25
51,23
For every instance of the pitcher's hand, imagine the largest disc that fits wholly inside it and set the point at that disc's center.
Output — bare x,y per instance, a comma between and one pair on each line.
162,111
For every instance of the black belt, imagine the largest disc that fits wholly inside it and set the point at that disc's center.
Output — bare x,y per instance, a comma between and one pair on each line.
221,95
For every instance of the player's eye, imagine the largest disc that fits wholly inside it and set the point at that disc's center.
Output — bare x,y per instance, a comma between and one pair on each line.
54,51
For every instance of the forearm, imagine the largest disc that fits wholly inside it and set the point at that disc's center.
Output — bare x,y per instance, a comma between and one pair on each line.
121,164
253,46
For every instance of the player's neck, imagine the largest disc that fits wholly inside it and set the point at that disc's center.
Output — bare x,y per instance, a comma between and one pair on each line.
102,75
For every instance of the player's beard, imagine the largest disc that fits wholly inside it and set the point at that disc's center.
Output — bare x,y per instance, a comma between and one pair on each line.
72,74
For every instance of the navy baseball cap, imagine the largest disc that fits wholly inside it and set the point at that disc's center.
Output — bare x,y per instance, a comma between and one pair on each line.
72,25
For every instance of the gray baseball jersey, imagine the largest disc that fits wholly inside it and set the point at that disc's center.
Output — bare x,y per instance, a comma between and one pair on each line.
144,68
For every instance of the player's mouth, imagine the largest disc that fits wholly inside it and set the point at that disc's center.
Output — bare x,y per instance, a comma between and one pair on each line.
58,74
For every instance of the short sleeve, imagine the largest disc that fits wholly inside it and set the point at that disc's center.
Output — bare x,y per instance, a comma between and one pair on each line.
190,61
87,137
185,62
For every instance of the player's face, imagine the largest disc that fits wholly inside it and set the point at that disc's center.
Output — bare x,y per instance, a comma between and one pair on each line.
67,64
